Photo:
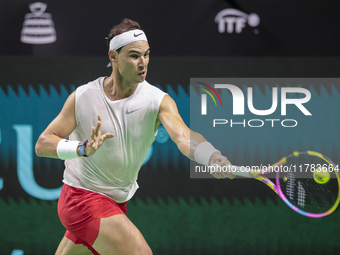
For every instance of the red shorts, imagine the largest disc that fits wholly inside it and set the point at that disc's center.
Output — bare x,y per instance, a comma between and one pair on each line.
80,212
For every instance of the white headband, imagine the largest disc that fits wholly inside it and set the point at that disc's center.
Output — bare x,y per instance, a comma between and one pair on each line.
127,37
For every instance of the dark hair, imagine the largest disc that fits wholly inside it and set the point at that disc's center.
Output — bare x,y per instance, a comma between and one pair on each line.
124,26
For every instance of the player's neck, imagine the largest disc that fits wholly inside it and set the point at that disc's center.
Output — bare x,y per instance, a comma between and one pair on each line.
116,88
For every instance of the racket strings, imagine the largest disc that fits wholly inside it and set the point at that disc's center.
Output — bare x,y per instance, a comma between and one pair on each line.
303,190
308,196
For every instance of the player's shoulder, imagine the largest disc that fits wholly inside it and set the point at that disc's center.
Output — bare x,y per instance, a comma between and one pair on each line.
95,84
92,85
148,89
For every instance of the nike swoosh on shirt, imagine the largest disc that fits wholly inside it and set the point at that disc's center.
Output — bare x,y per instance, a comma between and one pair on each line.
129,112
136,35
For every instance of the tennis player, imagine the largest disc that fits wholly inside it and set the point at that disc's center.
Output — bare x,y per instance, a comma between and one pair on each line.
111,123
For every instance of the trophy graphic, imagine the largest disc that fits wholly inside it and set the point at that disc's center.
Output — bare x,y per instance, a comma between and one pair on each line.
38,27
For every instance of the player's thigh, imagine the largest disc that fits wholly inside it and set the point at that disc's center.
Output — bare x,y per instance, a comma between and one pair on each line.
118,235
67,247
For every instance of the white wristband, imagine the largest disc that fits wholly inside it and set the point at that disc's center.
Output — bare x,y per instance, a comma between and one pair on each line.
67,149
203,153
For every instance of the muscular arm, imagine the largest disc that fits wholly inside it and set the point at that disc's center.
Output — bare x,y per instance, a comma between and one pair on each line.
186,139
60,128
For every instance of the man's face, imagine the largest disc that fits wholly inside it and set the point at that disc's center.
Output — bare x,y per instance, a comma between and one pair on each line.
132,62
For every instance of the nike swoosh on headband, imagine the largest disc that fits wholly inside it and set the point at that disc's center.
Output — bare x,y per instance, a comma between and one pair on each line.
136,35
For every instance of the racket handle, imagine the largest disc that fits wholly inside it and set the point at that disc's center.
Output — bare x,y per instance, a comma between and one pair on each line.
235,170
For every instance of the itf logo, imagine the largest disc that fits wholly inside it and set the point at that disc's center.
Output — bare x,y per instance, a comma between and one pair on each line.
38,26
231,20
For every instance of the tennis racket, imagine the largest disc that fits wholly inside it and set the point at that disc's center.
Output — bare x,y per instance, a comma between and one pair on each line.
306,181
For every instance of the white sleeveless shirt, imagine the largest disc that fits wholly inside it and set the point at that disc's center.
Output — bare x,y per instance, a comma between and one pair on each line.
113,169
